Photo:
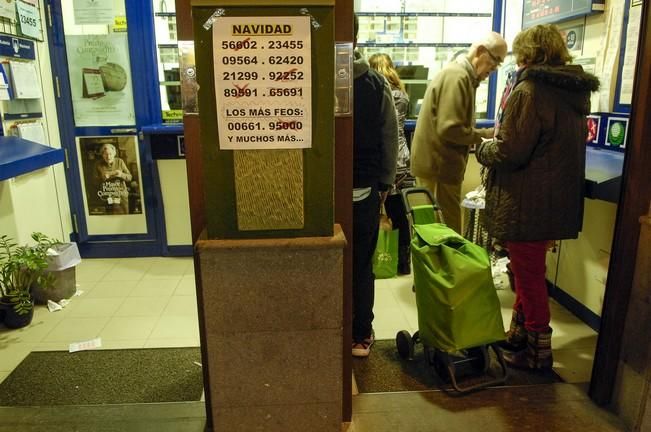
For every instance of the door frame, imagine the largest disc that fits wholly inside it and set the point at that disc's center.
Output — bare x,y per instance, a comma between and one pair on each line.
147,106
635,201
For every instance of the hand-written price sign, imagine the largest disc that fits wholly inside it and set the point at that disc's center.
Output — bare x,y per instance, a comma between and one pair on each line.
263,82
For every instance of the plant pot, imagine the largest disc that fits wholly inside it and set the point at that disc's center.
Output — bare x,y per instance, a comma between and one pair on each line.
13,320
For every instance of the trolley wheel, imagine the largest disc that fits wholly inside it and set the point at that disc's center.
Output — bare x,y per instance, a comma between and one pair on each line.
440,361
405,344
430,353
480,359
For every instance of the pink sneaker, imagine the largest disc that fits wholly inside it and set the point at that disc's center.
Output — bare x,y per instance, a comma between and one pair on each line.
363,349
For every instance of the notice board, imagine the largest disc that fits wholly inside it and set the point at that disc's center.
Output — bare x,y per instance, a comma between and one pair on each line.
266,103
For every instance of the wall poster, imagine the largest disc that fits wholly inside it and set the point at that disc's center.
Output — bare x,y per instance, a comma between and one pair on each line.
100,80
111,175
263,82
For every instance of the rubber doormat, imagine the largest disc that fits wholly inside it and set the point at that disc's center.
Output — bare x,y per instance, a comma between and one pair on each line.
385,371
105,377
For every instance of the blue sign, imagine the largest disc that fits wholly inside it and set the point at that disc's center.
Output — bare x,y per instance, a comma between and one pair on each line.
16,47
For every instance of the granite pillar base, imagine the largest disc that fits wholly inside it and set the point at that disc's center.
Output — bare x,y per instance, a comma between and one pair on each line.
271,332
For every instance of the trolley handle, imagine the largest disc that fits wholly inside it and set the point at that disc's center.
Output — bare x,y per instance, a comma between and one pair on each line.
418,190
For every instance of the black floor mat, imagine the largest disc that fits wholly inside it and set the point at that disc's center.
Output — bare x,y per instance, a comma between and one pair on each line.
105,377
385,371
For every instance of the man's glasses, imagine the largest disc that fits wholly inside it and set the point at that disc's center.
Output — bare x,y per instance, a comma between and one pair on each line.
498,61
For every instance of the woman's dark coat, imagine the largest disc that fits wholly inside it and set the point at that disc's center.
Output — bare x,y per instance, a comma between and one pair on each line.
535,181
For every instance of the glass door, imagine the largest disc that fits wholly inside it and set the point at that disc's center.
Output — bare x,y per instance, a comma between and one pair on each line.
100,69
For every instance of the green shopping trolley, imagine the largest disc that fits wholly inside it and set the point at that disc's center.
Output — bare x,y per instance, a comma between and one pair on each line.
459,317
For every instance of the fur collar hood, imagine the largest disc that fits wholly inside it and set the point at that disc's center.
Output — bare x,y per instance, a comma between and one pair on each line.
569,82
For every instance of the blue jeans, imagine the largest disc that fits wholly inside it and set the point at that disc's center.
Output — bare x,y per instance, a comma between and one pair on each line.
366,218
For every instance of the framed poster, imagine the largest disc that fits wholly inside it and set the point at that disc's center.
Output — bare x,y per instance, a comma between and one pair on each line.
108,54
594,126
616,132
111,172
263,82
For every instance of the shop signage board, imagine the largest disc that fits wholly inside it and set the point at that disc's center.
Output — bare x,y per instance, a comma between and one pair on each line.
12,46
536,12
29,18
263,77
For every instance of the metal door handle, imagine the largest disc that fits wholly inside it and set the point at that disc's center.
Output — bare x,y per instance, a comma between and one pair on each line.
124,131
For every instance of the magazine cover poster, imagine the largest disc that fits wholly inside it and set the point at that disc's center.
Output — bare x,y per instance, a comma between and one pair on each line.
111,175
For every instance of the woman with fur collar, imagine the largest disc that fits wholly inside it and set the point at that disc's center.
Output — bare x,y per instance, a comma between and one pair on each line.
535,178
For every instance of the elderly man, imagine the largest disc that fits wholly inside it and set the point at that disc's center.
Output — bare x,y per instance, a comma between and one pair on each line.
445,129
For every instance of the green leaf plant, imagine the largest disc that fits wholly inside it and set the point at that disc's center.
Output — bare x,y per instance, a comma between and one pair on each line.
20,268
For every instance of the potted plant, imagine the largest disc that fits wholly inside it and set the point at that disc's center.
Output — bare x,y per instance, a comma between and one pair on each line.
20,268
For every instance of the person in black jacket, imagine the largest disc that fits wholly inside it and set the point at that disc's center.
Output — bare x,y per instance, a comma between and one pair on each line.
375,149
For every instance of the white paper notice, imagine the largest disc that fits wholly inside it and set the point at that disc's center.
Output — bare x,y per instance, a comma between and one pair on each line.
630,55
86,345
32,132
25,80
94,11
8,9
263,82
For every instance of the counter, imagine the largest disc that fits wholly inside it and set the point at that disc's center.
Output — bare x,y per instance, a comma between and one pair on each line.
19,156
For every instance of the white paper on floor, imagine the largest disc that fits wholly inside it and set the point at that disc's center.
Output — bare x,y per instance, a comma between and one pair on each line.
86,345
54,306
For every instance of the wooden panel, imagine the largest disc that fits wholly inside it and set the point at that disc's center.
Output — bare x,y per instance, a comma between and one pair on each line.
344,204
634,202
183,20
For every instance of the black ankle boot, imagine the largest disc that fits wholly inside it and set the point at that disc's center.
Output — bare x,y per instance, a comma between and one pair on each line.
404,260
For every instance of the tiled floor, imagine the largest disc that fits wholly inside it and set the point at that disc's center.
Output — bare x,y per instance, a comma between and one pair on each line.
128,303
151,302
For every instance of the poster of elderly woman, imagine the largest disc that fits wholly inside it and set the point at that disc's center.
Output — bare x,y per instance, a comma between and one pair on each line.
111,175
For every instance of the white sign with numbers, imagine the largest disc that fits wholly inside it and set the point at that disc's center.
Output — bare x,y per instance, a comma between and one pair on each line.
263,82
